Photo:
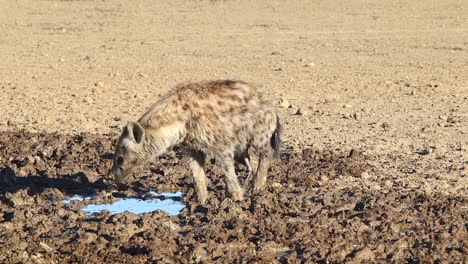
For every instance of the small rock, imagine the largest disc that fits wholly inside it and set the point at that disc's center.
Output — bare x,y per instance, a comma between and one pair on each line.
61,60
99,84
385,125
347,106
310,64
299,111
365,175
87,100
276,185
283,103
46,247
16,199
364,254
200,254
424,151
346,115
88,237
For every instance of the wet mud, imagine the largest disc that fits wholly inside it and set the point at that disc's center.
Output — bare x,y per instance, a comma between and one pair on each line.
320,205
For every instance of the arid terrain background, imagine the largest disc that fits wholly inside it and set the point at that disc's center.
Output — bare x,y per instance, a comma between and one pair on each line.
373,96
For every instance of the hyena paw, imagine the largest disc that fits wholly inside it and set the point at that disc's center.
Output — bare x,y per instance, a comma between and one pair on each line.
202,198
238,195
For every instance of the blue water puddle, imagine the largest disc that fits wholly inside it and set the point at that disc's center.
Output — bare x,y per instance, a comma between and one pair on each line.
74,198
168,202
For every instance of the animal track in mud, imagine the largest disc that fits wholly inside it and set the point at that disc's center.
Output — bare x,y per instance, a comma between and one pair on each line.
316,207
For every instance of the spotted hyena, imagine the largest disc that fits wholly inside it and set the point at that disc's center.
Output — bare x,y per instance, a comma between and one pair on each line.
222,119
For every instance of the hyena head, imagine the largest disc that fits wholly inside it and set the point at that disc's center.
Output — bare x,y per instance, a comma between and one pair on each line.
129,151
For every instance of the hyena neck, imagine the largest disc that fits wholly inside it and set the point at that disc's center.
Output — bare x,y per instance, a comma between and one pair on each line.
159,139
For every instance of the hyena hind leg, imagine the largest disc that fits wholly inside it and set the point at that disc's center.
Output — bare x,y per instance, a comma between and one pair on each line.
197,165
264,163
233,185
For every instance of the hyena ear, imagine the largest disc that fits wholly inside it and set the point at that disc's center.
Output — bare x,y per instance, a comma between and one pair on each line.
135,132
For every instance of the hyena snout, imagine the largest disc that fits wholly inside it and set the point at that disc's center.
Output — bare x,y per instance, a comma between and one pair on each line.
116,175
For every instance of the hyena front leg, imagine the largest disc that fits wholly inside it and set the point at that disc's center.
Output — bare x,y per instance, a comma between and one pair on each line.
233,185
197,165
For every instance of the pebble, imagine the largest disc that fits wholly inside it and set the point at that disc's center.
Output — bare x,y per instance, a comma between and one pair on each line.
365,175
87,100
299,111
310,64
46,247
99,84
364,254
277,185
283,103
346,115
423,151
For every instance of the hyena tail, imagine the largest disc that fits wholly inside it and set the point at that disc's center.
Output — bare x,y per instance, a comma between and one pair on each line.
275,140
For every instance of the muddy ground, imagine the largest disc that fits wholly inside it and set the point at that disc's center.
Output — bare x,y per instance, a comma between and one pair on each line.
303,215
373,96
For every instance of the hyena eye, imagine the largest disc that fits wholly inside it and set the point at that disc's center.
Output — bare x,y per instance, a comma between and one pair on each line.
120,160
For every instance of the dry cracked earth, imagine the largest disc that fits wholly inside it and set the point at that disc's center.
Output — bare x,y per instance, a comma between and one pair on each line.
373,96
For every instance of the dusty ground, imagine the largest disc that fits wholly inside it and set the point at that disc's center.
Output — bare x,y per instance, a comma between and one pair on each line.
388,80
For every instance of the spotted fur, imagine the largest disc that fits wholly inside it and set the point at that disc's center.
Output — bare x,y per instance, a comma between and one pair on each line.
222,119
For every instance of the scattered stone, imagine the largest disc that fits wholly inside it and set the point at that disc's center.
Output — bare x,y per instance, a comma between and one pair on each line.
200,254
385,126
299,111
283,103
88,100
99,84
46,247
365,175
310,64
276,185
424,151
364,255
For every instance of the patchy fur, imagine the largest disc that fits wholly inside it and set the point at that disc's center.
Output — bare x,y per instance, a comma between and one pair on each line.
218,118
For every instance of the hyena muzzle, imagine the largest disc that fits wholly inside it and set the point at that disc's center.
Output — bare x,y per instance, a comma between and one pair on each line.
224,119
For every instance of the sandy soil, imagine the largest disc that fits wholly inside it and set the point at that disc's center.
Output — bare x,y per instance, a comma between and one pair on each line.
388,80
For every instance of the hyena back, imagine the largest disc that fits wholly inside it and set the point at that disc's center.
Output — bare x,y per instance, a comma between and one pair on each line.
219,118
